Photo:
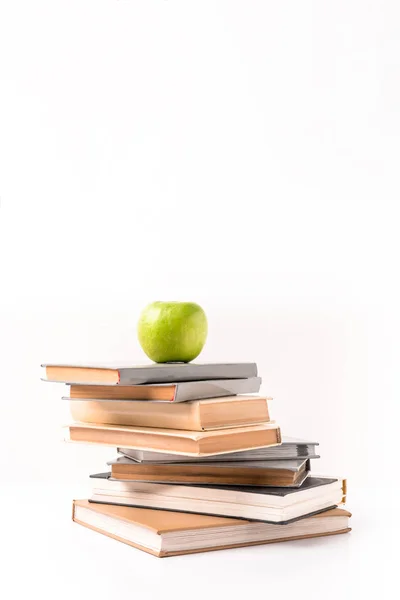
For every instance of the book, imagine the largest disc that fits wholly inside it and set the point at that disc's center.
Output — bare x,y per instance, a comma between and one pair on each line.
274,505
177,441
289,449
182,391
172,533
278,473
197,415
112,374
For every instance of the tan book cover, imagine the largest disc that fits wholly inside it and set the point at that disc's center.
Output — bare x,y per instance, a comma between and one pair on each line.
177,441
197,415
279,473
167,533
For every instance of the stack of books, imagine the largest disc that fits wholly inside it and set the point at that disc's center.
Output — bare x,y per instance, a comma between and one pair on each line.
201,466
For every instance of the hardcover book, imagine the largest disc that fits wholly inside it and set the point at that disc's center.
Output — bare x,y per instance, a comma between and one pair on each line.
274,505
172,533
289,449
112,374
181,391
197,415
282,473
177,441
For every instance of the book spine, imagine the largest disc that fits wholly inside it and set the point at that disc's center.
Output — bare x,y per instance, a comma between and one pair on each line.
278,435
199,420
344,489
175,396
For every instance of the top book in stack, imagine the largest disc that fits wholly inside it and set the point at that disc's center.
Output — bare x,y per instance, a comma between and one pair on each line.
174,382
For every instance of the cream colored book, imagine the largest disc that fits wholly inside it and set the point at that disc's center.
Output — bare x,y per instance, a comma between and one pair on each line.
278,505
163,533
198,415
177,441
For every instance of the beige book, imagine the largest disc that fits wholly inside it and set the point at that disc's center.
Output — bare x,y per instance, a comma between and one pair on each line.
167,533
197,415
279,505
177,441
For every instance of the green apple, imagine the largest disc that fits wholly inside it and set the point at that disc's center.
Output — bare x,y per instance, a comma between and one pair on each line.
172,331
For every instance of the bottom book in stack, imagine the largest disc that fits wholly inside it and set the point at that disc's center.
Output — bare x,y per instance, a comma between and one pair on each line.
163,533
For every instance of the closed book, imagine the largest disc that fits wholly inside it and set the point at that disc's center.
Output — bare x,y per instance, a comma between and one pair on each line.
289,449
197,415
182,391
278,473
279,505
172,533
177,441
125,374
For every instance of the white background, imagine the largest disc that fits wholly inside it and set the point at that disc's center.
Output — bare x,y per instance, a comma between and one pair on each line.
243,155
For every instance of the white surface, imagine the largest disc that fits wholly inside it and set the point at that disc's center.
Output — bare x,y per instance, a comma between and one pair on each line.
240,155
243,155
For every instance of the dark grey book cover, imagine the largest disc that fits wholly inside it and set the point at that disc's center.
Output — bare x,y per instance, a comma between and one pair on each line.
310,482
172,372
290,448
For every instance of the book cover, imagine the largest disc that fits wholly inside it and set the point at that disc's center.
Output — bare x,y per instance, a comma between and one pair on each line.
182,391
254,503
196,415
163,534
250,473
125,374
290,448
177,441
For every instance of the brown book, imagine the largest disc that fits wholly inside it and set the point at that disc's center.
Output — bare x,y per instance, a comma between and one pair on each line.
198,415
161,392
278,473
177,441
167,533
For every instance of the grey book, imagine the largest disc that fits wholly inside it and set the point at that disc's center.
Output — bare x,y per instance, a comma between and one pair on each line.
181,391
273,505
289,449
125,374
